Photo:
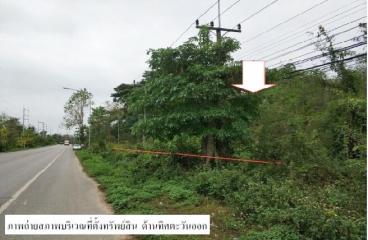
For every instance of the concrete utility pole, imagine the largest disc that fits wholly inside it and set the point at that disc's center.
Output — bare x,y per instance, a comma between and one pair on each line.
118,131
219,13
25,117
210,139
38,126
89,126
218,29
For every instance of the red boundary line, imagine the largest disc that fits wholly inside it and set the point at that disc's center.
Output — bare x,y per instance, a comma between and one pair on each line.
198,156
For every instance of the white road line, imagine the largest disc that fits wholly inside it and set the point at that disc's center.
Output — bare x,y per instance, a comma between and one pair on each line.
25,186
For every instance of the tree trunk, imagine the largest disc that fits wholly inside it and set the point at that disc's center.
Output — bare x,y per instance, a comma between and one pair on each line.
210,147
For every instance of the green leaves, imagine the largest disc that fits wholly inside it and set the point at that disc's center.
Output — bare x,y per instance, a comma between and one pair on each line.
188,90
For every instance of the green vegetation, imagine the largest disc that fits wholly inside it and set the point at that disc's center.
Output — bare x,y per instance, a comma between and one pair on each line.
12,136
75,111
314,122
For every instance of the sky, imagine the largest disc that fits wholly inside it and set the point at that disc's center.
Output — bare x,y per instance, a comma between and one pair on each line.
97,45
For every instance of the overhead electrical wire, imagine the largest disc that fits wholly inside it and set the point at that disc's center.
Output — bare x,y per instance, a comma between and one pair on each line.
255,13
310,39
285,21
311,24
325,67
348,64
353,65
310,44
332,62
305,46
193,23
258,11
308,53
227,9
325,54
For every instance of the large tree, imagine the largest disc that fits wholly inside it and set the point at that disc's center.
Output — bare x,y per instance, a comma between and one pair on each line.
187,92
75,111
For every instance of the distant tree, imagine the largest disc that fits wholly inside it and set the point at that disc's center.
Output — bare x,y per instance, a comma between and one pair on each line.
122,92
3,138
75,111
100,121
124,120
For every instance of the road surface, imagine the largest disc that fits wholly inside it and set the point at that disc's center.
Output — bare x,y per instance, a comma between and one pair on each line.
48,180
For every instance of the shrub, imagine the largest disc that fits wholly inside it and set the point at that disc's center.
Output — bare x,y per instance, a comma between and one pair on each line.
274,233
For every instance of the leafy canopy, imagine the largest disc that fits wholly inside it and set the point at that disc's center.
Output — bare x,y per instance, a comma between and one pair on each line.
187,91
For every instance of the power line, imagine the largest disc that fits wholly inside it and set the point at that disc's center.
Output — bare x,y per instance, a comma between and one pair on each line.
227,9
305,46
332,62
326,68
308,53
325,54
256,13
192,24
285,21
310,24
353,64
218,29
330,31
259,11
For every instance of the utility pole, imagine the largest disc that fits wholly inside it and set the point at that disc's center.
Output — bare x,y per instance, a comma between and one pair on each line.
118,131
43,126
210,140
25,117
120,116
218,29
89,126
144,113
218,33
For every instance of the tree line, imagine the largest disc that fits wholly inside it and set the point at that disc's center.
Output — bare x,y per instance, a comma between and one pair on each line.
13,135
186,101
314,121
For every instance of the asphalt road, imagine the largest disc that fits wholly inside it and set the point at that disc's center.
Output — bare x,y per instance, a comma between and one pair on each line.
48,180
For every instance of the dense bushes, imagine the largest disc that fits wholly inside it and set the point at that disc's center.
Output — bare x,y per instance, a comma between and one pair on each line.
263,205
313,122
319,192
